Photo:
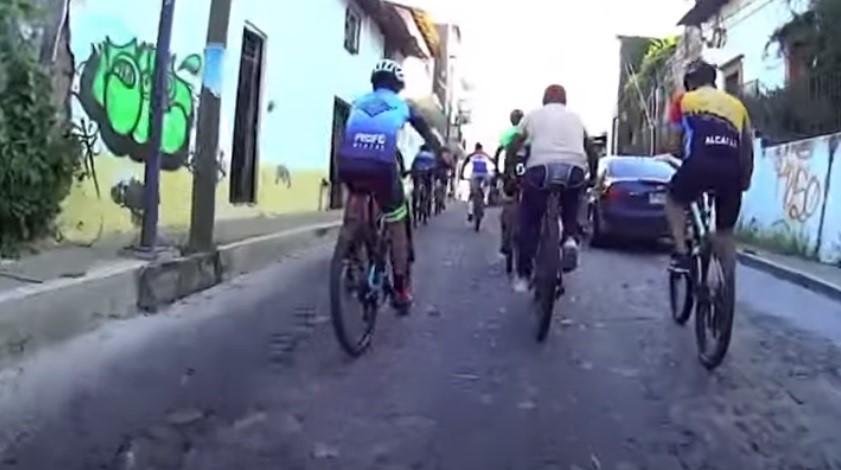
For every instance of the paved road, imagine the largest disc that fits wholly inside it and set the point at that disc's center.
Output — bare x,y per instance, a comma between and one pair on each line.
248,376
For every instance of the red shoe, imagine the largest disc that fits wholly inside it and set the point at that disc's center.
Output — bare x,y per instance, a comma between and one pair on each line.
403,300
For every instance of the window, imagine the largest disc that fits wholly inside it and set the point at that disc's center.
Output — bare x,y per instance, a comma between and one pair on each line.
353,27
732,72
797,62
640,167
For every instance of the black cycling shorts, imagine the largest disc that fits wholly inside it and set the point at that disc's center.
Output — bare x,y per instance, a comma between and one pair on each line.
719,174
379,179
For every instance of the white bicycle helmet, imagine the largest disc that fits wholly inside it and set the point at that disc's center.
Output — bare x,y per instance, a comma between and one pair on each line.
391,67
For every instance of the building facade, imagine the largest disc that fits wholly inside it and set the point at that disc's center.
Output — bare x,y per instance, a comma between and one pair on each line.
286,78
737,38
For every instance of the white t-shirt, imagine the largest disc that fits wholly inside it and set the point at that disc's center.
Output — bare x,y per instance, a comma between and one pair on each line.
556,134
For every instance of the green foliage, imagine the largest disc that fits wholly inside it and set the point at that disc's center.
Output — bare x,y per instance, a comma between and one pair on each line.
655,62
810,105
817,31
39,155
780,239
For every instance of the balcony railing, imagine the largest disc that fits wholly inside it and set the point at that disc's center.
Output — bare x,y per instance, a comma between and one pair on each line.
802,109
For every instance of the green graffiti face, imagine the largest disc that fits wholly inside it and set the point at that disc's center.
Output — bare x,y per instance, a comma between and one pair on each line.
116,92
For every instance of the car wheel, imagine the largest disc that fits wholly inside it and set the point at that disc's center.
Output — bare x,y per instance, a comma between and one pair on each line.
598,239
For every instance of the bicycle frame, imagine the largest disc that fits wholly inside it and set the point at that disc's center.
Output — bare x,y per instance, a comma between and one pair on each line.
701,214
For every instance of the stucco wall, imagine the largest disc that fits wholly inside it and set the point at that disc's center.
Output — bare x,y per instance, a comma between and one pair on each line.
306,67
795,198
749,25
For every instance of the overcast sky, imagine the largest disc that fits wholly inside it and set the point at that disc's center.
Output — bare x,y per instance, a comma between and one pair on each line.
548,41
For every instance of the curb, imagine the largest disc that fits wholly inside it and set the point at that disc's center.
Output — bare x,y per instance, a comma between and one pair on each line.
792,275
38,316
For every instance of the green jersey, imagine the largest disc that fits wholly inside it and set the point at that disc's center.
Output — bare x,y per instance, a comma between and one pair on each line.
508,137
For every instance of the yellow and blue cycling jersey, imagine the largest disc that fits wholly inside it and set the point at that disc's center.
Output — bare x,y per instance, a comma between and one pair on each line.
712,122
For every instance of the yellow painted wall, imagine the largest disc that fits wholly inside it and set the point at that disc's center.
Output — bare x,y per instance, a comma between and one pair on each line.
86,217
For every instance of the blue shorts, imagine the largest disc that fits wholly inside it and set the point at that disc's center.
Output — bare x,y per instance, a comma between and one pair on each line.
377,178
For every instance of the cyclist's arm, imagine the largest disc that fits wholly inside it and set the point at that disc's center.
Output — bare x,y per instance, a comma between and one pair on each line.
498,152
419,123
592,156
674,143
401,164
464,166
746,153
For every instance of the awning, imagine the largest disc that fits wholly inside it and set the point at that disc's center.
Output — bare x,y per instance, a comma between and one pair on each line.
701,12
392,26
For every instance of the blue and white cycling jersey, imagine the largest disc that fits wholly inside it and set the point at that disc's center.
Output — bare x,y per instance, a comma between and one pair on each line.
372,127
424,161
479,165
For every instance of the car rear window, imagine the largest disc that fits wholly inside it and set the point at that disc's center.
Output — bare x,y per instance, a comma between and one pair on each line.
640,168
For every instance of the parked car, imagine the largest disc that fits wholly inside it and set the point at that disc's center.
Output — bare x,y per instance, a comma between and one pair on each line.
628,200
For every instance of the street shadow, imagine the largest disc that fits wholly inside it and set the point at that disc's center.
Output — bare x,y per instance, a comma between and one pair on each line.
637,247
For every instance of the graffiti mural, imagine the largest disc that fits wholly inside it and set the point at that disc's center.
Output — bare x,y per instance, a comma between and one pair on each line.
802,190
282,174
115,90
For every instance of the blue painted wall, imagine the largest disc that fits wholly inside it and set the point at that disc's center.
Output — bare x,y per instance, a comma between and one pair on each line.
795,197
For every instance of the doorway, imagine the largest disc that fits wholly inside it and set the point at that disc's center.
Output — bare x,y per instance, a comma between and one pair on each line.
341,112
244,168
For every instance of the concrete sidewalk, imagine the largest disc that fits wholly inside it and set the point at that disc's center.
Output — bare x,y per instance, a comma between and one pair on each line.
69,290
822,278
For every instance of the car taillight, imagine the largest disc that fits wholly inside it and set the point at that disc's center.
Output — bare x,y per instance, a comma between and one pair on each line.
615,192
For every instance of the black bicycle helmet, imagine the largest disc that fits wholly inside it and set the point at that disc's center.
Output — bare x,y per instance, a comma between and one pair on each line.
699,73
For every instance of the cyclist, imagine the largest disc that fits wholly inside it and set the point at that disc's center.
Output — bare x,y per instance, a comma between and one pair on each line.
443,168
423,167
368,161
481,169
717,153
557,139
508,175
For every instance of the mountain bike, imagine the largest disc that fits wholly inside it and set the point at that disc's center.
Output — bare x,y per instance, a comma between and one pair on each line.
438,195
710,286
548,278
360,262
424,200
477,202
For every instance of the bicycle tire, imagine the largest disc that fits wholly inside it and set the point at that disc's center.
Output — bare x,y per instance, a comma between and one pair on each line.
681,312
478,212
547,269
723,301
353,347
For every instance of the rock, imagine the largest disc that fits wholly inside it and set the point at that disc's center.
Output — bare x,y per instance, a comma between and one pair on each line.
527,405
324,451
184,416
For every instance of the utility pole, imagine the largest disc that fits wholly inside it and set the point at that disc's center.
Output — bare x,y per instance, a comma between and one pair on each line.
152,171
205,176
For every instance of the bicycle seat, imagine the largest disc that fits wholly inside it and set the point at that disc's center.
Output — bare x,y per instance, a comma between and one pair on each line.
560,176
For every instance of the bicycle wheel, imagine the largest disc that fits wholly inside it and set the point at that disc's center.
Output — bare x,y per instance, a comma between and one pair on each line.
547,268
478,211
714,309
509,228
351,263
681,305
425,209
